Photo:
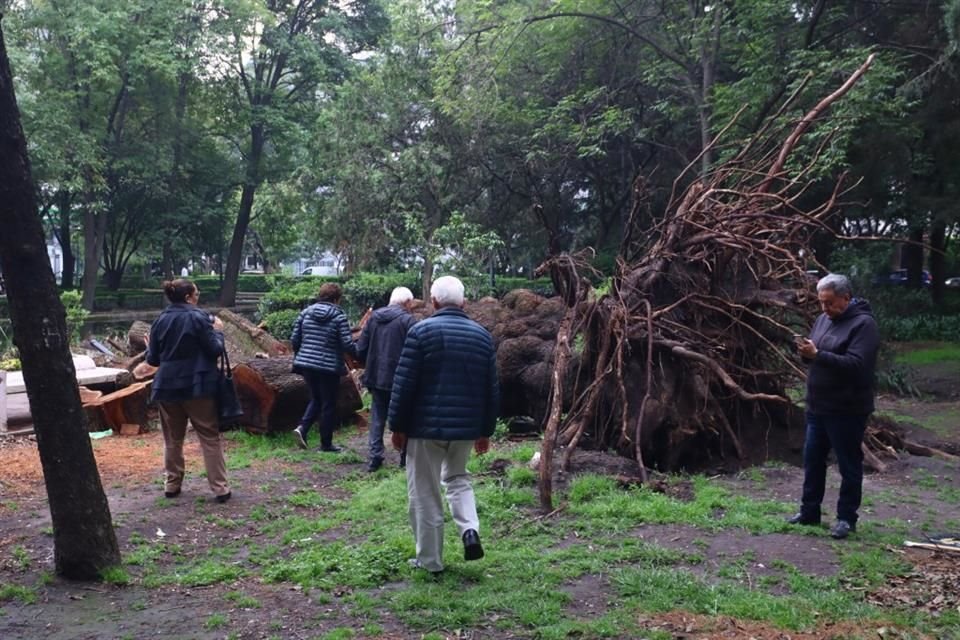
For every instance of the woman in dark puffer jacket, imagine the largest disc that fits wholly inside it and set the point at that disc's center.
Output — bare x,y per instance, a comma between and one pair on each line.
320,338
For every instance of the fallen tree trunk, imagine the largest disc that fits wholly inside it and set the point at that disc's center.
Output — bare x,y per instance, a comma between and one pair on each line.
244,337
274,398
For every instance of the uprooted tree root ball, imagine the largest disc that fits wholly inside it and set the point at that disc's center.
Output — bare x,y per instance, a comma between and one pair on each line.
690,354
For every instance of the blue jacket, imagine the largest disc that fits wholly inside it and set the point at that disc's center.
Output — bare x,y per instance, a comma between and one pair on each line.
320,337
446,386
840,380
185,346
380,345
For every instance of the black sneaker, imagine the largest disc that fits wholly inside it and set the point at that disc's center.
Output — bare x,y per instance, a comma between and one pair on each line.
374,464
300,437
841,529
331,448
471,545
802,519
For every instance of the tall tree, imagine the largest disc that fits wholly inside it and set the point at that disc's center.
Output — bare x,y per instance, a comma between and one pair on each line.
282,56
83,535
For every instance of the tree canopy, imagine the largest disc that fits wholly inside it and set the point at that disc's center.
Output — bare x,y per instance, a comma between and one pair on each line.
169,131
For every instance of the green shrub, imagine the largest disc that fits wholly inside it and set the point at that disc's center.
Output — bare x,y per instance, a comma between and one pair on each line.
365,290
292,294
280,323
899,328
76,314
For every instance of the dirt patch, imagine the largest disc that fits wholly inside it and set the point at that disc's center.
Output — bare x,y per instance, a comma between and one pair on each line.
589,596
749,557
689,626
933,585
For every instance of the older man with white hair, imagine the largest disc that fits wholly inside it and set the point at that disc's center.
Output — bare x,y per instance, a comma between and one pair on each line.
444,403
842,354
379,349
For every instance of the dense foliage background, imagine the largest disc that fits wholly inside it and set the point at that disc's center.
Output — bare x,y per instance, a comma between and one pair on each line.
478,136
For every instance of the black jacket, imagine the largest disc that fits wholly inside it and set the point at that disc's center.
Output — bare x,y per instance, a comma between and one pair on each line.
840,380
320,337
446,386
185,346
380,344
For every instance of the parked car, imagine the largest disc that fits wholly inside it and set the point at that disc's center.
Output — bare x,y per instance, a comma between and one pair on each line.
953,283
899,277
320,270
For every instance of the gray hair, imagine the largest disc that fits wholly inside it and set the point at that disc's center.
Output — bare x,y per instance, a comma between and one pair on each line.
447,291
837,283
401,295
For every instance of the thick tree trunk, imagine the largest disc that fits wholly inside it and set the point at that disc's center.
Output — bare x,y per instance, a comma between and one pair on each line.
274,398
248,338
83,535
228,291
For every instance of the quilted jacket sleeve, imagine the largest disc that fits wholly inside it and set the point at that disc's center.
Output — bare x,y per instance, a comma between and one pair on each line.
404,392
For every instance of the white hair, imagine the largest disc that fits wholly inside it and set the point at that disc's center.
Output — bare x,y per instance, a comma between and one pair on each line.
447,291
401,295
837,283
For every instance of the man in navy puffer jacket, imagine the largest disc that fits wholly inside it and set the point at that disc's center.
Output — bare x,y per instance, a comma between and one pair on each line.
320,337
444,402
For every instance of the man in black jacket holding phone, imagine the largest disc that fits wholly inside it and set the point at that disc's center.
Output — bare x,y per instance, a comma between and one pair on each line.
842,355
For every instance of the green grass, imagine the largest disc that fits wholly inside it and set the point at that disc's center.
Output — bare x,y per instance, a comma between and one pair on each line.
215,621
346,545
23,594
933,355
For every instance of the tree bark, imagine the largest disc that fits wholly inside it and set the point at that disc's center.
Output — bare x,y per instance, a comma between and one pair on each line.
228,291
83,535
93,227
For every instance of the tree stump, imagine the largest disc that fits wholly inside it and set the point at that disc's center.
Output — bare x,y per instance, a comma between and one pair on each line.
125,406
274,398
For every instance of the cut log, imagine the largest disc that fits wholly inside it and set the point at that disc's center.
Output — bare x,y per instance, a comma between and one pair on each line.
244,339
125,406
137,336
274,398
89,395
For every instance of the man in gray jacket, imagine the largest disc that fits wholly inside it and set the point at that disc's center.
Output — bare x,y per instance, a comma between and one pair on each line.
842,354
379,349
444,403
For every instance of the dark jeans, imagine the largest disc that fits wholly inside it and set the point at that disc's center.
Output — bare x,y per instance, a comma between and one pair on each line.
844,434
323,403
378,418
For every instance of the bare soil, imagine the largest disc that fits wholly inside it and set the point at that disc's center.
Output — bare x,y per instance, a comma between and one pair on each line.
910,491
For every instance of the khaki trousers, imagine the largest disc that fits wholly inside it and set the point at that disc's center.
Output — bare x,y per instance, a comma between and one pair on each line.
202,413
432,464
